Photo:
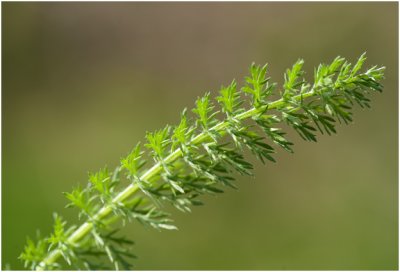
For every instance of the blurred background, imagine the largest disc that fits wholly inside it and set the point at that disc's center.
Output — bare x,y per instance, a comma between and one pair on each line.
83,82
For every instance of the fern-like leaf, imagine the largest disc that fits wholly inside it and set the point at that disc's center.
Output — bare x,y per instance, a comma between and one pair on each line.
200,156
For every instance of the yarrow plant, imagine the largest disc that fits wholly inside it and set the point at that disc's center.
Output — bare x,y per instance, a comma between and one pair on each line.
199,156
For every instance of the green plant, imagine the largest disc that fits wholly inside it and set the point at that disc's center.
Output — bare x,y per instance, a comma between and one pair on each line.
198,156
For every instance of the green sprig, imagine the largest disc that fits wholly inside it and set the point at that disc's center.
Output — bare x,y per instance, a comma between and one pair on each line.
200,156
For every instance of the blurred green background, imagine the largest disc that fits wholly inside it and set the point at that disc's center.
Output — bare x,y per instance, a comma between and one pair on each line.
83,82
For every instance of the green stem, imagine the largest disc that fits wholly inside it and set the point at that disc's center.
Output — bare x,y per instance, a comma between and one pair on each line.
86,227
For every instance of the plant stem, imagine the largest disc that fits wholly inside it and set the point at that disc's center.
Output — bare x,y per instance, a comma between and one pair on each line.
87,226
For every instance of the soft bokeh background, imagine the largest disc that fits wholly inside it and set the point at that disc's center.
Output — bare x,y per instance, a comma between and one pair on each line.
83,82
